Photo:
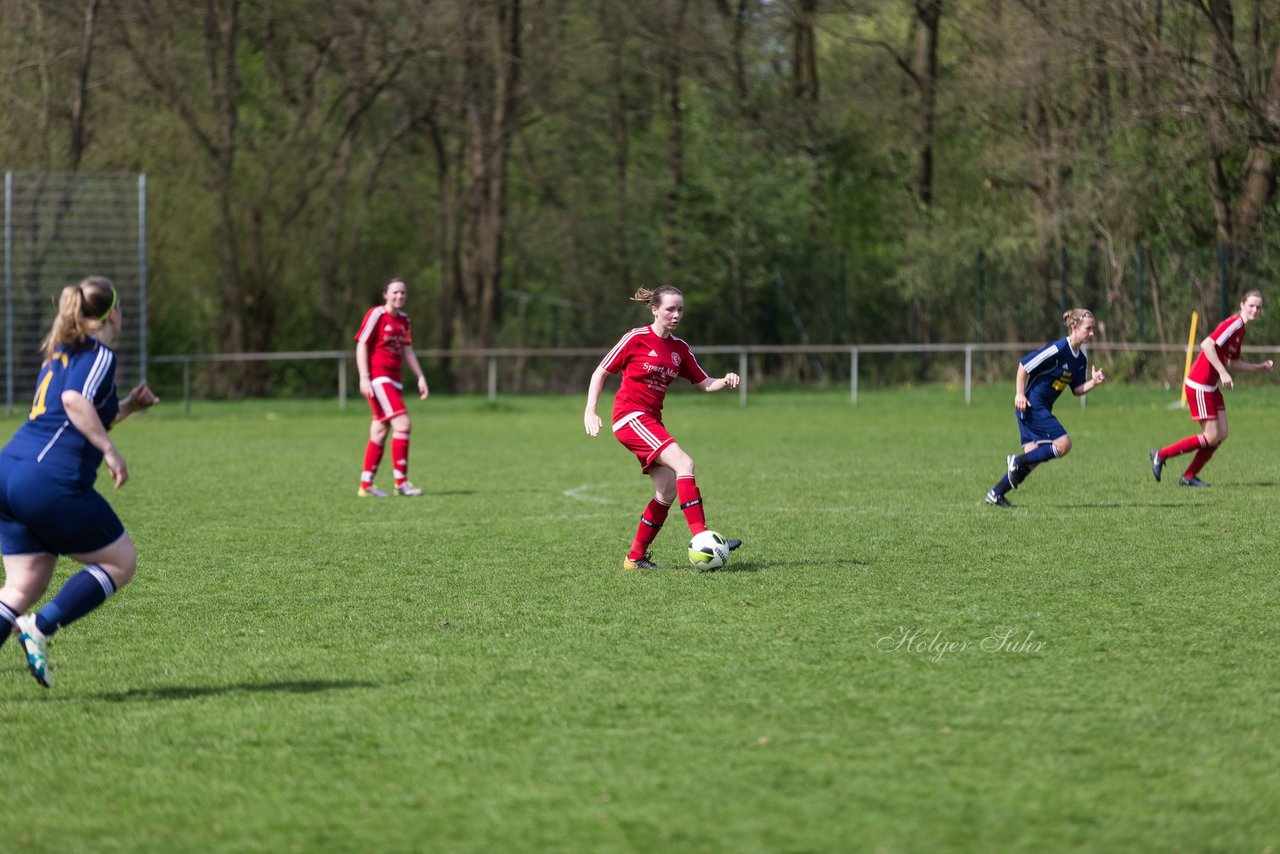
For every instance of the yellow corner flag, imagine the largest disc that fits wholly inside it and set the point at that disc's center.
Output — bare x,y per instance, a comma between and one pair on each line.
1191,343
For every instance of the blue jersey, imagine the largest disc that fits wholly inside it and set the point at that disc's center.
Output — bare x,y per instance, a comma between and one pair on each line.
48,437
1051,369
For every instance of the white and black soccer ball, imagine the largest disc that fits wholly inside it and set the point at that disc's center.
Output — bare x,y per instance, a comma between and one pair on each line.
708,550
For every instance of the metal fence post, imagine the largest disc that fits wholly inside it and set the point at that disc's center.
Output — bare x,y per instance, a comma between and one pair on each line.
142,276
8,292
493,377
186,386
968,374
342,383
742,377
853,376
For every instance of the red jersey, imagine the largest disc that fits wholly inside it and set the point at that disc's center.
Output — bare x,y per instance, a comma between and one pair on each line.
649,363
1228,338
386,334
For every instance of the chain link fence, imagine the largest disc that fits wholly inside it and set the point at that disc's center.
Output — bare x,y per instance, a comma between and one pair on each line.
60,227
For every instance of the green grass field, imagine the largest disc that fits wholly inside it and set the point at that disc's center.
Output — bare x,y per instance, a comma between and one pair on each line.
887,664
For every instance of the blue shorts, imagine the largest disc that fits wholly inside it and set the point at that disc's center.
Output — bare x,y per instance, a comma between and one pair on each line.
43,511
1038,426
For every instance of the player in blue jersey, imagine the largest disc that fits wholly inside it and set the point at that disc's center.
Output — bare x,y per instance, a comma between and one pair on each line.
1042,376
48,506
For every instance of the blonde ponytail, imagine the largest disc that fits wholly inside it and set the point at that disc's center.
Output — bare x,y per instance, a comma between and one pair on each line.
82,310
1073,317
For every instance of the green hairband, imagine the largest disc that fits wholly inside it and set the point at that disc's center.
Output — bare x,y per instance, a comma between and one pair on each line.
107,313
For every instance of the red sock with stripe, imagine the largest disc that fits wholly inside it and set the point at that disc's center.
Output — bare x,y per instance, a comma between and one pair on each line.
650,524
400,457
372,456
1183,446
691,503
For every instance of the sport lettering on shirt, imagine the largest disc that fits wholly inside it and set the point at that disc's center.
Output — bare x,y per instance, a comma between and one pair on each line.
669,373
648,364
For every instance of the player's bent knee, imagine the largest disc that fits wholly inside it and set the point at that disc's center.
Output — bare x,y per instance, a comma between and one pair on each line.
120,561
120,575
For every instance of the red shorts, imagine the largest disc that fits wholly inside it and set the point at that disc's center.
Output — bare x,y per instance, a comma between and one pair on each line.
1204,405
385,401
644,436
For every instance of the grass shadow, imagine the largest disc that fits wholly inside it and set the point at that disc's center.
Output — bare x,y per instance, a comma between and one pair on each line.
1102,505
189,692
756,566
741,566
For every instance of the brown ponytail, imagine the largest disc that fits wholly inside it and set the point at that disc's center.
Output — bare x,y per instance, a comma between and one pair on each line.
654,297
82,310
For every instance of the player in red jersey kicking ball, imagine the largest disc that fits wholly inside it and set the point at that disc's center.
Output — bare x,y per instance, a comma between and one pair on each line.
649,359
382,343
1219,355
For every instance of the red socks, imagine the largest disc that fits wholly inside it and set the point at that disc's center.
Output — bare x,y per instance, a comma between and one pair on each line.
653,517
1198,461
400,457
691,504
650,524
1184,446
372,456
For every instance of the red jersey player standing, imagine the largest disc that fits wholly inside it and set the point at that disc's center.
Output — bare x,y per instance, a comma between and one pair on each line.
1219,354
649,359
382,343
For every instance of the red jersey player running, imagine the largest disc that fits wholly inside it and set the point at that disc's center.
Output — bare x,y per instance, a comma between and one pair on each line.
382,343
649,359
1219,354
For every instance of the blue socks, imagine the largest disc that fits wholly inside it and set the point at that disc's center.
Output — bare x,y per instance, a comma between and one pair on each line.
1037,455
83,592
1040,454
8,617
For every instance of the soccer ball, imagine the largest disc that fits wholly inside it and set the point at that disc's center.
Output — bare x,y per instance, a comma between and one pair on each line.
708,550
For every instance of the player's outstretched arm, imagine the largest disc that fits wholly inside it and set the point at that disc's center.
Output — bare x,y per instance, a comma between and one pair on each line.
1099,377
1252,367
140,399
713,384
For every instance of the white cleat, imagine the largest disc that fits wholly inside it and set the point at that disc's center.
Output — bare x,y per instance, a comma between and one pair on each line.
407,488
35,645
370,492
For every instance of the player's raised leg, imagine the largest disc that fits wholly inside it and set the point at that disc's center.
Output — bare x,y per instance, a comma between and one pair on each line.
687,491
